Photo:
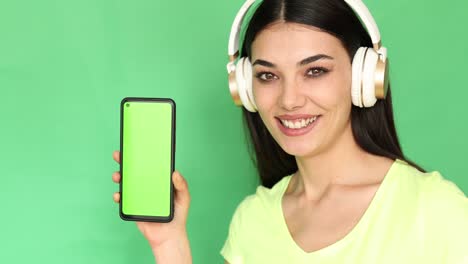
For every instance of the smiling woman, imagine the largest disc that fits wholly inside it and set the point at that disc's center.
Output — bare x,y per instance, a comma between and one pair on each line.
335,185
306,36
335,182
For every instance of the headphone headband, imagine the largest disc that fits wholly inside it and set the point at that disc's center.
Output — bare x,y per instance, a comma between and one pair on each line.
239,26
367,19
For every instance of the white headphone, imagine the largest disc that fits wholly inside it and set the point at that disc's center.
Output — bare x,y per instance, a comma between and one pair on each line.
369,66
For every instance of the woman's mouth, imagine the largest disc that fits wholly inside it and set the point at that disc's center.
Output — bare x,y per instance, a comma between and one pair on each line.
298,126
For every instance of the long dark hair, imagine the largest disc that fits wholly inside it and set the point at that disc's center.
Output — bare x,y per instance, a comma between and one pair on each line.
373,128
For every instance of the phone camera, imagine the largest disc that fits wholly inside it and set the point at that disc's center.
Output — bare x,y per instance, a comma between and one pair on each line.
127,104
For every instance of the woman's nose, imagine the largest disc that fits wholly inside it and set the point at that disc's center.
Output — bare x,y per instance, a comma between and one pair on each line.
291,96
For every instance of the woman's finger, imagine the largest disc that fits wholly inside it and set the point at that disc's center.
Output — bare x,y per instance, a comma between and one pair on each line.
116,156
181,188
116,177
116,197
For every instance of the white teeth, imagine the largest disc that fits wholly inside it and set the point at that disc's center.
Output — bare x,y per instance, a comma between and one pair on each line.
299,123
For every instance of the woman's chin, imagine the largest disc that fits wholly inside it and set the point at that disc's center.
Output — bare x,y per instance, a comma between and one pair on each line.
299,149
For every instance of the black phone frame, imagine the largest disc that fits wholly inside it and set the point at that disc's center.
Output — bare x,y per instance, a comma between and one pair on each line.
146,218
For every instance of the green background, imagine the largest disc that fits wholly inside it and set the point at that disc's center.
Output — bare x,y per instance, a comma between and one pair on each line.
65,66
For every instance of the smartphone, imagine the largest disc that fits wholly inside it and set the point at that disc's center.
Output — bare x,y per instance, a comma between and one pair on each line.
147,148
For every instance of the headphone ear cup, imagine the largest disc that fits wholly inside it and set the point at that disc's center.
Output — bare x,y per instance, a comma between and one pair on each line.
357,70
249,82
368,78
242,84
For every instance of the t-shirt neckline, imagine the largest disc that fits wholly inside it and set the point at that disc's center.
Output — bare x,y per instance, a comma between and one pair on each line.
362,223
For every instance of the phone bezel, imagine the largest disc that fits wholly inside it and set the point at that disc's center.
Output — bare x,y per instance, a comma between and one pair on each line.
146,218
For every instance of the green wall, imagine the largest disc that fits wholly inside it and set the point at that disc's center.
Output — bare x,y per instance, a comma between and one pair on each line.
65,66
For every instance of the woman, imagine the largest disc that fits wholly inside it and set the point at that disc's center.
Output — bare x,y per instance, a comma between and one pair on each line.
336,187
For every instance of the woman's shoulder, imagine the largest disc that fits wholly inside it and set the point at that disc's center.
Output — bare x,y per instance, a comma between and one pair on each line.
264,198
432,184
444,212
438,200
443,196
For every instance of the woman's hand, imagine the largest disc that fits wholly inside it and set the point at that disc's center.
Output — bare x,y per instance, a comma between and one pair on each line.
168,240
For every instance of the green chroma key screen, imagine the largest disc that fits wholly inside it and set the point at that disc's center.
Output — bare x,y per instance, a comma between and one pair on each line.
147,157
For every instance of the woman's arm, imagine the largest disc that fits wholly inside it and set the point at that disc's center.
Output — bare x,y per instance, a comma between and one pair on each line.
176,251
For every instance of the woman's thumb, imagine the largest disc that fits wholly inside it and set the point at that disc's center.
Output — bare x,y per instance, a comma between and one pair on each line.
181,188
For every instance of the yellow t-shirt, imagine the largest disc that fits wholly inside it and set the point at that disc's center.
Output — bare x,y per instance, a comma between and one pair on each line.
414,217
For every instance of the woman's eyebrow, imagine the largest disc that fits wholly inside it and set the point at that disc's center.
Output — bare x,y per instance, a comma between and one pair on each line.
301,63
314,58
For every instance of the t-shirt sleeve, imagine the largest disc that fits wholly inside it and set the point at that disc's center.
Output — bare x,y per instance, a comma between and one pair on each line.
232,249
450,211
457,241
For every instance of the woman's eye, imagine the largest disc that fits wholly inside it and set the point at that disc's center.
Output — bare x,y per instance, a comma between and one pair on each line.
316,71
266,76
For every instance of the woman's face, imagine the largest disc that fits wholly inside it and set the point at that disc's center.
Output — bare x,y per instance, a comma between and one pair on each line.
301,85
